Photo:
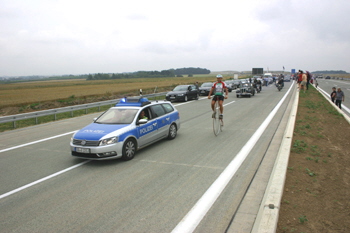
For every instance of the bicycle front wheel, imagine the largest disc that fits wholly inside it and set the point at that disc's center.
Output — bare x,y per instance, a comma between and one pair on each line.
216,120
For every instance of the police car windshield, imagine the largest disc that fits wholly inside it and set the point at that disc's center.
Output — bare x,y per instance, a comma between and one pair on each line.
117,116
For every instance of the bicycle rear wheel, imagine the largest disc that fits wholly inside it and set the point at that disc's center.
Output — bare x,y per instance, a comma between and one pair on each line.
216,121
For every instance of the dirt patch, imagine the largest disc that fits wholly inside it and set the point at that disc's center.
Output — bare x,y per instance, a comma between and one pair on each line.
316,192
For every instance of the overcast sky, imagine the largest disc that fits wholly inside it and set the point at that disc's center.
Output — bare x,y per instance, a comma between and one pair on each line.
57,37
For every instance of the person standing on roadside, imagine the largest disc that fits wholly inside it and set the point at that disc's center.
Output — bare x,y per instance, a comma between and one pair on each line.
309,76
303,80
197,85
300,75
339,97
333,94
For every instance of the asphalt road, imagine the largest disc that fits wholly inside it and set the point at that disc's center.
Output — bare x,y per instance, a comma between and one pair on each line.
44,189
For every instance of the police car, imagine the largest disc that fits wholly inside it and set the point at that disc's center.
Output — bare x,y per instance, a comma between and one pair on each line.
122,130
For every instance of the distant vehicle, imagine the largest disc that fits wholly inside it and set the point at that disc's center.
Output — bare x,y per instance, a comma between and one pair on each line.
246,89
327,77
183,93
268,75
122,130
229,85
237,82
287,78
204,89
244,81
279,85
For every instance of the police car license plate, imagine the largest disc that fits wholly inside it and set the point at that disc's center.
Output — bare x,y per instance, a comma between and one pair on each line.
82,150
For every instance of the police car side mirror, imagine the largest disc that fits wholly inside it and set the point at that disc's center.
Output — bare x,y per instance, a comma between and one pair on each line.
94,119
142,121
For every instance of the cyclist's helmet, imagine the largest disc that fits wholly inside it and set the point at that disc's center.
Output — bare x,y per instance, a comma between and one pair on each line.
219,76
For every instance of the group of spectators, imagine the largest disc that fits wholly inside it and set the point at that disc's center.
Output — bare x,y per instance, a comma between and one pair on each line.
304,77
337,96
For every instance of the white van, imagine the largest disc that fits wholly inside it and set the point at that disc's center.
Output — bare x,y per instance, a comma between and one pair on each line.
269,78
268,75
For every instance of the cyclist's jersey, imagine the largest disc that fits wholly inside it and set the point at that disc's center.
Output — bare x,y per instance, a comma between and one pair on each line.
219,88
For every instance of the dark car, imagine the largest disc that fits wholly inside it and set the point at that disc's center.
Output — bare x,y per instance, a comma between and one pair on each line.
229,84
246,89
328,77
237,83
204,89
287,78
183,93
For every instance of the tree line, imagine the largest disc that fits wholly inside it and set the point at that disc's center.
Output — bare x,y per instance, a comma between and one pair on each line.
190,71
330,72
149,74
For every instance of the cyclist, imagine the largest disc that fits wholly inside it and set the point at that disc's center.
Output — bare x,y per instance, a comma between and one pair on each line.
218,90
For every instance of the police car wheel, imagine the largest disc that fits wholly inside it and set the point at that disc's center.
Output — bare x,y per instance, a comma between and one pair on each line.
186,98
172,132
129,150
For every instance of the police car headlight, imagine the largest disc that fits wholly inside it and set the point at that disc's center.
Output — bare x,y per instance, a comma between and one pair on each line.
181,94
108,141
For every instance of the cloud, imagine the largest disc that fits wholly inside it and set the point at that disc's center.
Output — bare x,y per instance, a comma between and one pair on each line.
111,36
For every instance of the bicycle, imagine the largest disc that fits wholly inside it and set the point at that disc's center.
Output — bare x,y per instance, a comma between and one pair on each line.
217,123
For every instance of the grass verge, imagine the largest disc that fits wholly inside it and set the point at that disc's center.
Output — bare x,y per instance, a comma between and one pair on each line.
318,170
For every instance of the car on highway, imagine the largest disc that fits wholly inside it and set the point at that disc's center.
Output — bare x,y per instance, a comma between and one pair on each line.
287,78
237,83
132,124
183,93
246,89
230,85
204,89
244,81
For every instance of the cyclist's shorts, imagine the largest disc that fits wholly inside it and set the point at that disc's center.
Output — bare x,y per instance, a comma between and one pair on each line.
218,97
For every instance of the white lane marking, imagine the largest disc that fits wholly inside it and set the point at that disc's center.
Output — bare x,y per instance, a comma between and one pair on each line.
188,102
31,143
199,210
42,179
229,103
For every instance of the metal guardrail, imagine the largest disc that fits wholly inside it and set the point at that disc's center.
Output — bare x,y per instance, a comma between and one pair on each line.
71,109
